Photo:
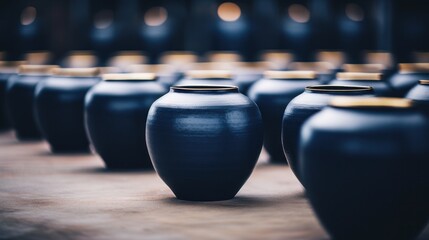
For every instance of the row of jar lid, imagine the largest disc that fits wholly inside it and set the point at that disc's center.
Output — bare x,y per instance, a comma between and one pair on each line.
277,59
207,74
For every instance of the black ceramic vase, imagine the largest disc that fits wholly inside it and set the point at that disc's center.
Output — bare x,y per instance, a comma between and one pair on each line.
272,94
20,100
7,70
364,165
408,76
374,80
206,77
305,105
204,141
115,115
59,108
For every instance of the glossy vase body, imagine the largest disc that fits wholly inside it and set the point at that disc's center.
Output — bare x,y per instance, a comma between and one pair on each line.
420,94
381,87
365,171
60,112
305,105
244,80
115,117
4,119
403,82
20,104
272,96
204,144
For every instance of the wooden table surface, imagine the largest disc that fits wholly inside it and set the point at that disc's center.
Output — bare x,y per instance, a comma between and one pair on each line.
46,196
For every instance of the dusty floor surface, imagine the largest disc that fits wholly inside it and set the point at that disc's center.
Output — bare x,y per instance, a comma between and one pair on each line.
46,196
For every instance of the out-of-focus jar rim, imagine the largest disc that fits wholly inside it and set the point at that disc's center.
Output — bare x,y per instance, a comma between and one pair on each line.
414,68
304,75
360,76
209,74
37,69
76,72
129,76
371,102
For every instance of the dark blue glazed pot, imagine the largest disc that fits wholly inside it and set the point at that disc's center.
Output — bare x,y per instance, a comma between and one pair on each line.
420,93
248,74
20,100
59,107
204,141
374,80
305,105
364,163
408,76
272,94
7,71
115,115
207,77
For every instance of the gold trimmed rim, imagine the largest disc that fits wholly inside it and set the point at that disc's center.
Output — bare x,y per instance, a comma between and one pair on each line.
290,74
37,69
224,56
76,72
413,67
319,67
367,67
362,76
338,88
178,57
206,74
129,76
424,82
205,88
374,102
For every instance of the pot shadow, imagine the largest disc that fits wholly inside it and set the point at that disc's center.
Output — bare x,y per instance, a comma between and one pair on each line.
104,170
238,202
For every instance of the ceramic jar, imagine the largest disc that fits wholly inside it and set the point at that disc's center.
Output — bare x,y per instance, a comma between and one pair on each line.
59,107
207,77
408,76
420,93
115,115
8,69
20,100
305,105
249,73
272,94
366,160
374,80
204,141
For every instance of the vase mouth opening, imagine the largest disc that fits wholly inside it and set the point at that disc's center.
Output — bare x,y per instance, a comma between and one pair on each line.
298,75
371,102
129,77
204,88
424,82
359,76
76,72
209,74
414,68
339,89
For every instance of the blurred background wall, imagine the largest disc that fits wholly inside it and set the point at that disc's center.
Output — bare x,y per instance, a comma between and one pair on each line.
247,26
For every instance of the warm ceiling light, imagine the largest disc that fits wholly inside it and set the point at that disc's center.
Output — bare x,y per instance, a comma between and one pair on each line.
299,13
103,19
28,15
354,12
229,12
155,16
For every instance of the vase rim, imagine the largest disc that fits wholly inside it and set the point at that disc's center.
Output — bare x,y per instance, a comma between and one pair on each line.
359,76
371,102
129,77
304,75
414,68
37,69
364,67
76,72
209,74
338,89
204,88
424,82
